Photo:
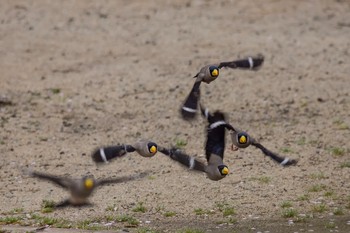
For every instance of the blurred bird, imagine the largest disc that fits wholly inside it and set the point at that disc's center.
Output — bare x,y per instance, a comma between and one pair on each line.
214,150
80,189
208,74
143,147
241,139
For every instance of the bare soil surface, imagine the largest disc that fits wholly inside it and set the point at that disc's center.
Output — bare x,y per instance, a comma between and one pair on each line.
76,75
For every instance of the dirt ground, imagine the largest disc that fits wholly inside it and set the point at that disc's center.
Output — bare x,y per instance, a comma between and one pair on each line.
76,75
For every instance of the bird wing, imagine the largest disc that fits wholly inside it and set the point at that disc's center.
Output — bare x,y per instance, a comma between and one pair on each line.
105,154
184,159
252,63
284,161
64,182
190,105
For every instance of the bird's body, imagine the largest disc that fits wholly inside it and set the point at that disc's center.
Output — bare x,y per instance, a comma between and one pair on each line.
240,139
209,73
80,189
143,147
214,150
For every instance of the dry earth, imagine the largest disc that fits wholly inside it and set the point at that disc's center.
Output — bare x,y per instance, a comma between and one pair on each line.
76,75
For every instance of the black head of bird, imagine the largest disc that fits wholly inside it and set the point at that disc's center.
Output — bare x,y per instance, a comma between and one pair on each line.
214,71
240,139
223,169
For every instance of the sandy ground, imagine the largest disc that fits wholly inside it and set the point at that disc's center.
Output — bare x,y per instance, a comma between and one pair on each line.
76,75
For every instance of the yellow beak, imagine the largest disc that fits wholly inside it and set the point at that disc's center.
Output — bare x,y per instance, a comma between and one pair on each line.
153,149
225,171
243,139
215,73
89,183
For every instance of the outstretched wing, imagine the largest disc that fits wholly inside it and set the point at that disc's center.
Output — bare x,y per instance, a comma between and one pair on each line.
189,108
284,161
184,159
64,182
249,63
105,154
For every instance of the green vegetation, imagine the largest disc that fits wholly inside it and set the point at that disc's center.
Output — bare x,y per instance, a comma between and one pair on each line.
286,150
128,219
201,211
338,211
286,204
318,176
55,90
140,208
320,208
11,219
180,143
289,213
262,179
337,151
190,230
47,206
340,124
345,164
317,188
169,214
304,197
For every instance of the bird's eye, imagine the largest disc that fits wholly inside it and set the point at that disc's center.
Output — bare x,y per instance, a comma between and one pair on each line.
214,71
89,183
152,147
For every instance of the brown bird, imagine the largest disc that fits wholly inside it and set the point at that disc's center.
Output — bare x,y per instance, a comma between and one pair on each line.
241,139
80,189
214,150
208,74
143,147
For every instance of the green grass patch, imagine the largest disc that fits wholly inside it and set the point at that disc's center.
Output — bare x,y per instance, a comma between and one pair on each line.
190,230
304,197
169,214
301,141
287,150
201,211
337,151
140,208
345,164
340,124
319,208
318,176
11,219
47,206
338,211
180,143
286,204
317,188
127,219
289,213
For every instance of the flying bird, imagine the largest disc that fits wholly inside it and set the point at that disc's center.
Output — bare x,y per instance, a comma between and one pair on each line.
143,147
241,139
80,189
208,74
214,150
